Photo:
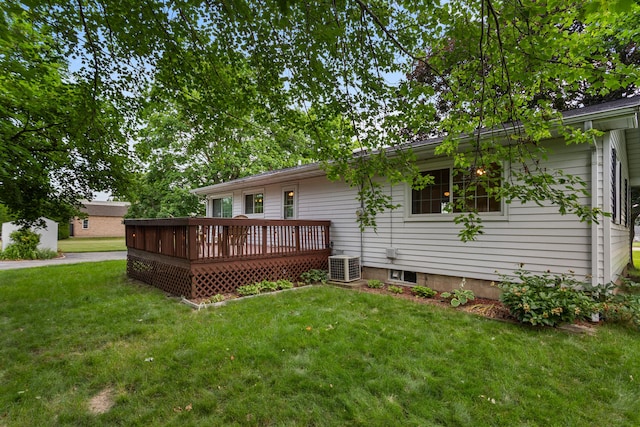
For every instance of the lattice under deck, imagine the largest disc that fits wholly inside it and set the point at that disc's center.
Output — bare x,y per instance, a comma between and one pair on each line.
169,278
205,280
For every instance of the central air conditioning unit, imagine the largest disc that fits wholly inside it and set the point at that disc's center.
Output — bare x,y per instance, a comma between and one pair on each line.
344,268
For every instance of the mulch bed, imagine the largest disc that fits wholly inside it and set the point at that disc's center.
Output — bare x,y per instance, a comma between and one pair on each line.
484,307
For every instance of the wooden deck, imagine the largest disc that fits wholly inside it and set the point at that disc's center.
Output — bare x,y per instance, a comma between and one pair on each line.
200,257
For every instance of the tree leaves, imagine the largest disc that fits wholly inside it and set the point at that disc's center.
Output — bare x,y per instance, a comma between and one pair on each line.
59,143
246,73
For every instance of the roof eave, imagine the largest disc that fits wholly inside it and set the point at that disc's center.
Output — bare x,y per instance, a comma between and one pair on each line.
306,171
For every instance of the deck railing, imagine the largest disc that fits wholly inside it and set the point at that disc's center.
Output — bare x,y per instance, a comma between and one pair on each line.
223,239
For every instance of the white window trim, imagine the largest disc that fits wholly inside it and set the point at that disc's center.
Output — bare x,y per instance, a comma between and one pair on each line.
264,199
85,221
503,215
401,279
283,189
210,200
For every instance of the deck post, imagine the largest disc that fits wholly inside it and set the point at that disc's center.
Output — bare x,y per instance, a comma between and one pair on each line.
327,243
192,242
264,240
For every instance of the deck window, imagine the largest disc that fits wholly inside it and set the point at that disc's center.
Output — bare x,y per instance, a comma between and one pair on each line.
459,191
288,205
222,207
254,203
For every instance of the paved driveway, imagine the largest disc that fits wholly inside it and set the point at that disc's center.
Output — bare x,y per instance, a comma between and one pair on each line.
67,259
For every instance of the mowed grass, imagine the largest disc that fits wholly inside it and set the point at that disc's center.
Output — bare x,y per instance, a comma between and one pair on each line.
92,244
313,356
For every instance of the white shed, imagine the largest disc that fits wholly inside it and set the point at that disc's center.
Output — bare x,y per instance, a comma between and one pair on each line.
48,234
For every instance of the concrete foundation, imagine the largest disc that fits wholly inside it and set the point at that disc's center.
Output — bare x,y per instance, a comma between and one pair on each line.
437,282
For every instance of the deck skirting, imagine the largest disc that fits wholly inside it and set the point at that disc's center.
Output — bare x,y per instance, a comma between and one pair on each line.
202,280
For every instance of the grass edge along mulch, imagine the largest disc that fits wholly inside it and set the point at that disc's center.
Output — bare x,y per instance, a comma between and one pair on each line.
318,356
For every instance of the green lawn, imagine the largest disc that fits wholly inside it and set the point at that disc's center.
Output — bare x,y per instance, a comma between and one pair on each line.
317,356
92,244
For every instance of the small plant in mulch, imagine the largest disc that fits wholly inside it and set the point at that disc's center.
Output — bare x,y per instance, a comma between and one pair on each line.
395,289
264,287
247,290
315,276
423,291
267,286
213,299
374,284
284,284
460,296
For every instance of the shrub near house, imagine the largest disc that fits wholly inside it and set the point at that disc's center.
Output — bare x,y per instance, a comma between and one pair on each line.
552,300
25,246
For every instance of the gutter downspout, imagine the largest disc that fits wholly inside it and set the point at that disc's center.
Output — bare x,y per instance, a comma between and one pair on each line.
361,241
595,228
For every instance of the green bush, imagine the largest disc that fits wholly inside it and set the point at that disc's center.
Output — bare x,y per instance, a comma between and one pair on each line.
267,286
374,284
395,289
424,291
546,299
249,290
314,276
63,230
24,246
284,284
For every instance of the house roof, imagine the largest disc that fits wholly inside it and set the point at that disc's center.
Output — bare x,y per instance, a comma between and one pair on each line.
620,114
305,171
98,208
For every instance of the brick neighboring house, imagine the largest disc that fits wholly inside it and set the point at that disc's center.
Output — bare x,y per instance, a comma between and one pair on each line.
104,219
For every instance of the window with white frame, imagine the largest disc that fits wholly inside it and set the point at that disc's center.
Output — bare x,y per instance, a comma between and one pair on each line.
222,207
627,198
403,276
459,191
85,224
254,203
288,204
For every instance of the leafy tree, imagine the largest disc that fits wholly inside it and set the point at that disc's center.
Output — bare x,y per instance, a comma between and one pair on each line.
502,62
60,140
183,149
5,216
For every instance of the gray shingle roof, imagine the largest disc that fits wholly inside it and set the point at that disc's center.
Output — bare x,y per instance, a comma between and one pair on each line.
113,209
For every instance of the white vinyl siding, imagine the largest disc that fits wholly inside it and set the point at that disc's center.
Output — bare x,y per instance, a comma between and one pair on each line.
597,199
617,236
321,199
539,237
